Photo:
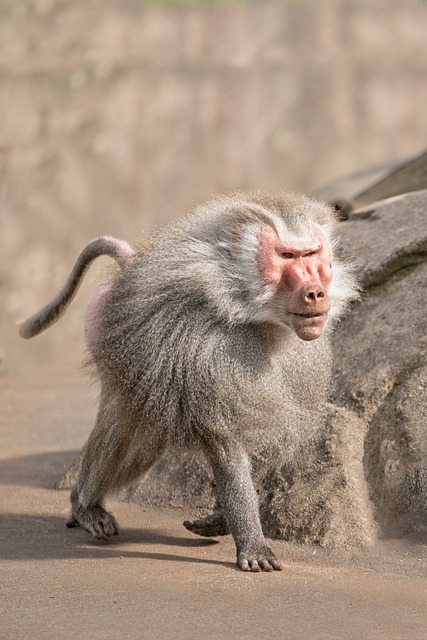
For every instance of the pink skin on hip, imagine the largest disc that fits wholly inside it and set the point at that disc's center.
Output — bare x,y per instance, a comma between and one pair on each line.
94,310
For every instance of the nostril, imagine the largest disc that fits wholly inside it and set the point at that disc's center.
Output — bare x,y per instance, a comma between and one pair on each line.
314,294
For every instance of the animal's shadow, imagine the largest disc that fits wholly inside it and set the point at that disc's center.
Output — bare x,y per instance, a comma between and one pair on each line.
44,537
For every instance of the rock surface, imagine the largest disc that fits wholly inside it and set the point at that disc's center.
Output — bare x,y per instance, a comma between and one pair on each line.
380,355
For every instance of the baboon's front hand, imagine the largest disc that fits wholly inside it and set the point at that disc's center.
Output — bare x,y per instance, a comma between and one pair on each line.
260,559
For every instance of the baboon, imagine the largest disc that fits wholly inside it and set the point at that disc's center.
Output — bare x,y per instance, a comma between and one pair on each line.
212,335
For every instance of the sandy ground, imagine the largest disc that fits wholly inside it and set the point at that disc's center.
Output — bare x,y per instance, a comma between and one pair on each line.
155,580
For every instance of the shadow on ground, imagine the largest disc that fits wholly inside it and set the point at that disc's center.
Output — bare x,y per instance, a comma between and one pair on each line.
22,533
36,470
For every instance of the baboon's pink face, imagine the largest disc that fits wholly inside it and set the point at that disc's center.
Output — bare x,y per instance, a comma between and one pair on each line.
301,270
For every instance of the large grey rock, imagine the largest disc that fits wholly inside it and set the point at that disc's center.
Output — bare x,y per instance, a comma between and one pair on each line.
377,183
380,354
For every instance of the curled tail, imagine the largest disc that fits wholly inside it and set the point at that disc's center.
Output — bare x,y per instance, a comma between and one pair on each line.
50,313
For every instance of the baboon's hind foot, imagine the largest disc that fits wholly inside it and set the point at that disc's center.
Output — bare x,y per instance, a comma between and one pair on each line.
209,526
96,520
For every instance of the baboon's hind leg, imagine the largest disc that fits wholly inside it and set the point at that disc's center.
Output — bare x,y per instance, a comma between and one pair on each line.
116,453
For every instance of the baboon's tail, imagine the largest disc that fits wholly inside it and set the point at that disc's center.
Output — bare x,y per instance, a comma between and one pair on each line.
49,314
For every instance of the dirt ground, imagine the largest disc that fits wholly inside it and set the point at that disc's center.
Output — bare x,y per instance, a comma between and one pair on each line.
155,580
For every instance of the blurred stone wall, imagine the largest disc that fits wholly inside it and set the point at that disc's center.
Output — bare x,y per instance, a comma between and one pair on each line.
119,115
